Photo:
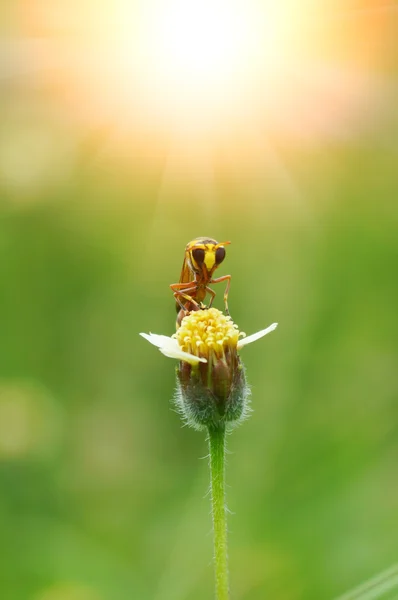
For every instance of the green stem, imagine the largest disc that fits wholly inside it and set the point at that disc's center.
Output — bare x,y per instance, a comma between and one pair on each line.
219,510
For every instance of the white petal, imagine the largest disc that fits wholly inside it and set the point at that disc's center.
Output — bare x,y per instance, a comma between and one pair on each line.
169,347
158,340
180,355
256,336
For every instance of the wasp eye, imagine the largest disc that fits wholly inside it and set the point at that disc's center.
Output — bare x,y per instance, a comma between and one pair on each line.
220,255
198,255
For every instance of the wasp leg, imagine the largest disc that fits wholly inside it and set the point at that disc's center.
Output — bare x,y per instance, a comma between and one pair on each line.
181,291
190,285
226,278
189,299
212,294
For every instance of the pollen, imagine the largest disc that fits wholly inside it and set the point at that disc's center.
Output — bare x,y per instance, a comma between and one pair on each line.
207,332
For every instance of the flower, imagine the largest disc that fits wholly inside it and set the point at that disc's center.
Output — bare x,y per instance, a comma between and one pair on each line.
211,380
202,340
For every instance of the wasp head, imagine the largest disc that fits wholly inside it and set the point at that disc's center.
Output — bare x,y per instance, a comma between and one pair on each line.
205,255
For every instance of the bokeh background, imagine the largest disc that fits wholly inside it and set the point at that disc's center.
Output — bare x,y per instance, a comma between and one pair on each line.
109,165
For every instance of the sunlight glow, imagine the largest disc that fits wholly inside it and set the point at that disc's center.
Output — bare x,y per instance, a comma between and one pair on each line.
200,55
179,65
214,73
201,44
201,39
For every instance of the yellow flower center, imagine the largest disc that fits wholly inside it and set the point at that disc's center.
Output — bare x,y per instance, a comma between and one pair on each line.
206,332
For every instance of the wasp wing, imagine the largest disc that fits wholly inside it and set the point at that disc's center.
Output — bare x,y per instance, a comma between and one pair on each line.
186,273
185,277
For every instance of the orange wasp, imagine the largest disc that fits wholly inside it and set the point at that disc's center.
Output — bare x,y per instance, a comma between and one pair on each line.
202,257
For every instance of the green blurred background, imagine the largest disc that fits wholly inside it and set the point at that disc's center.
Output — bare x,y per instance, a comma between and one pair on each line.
102,491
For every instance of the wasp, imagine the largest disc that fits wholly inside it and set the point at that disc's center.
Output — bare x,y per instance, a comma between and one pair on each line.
202,257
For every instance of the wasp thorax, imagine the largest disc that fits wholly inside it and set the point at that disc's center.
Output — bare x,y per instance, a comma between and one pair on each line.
212,392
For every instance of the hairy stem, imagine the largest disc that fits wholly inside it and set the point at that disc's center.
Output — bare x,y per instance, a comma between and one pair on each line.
219,510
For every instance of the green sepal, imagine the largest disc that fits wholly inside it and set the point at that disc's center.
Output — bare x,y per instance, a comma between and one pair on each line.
212,396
